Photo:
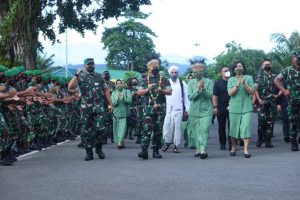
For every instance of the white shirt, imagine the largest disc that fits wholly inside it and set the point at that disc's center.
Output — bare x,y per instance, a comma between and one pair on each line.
174,101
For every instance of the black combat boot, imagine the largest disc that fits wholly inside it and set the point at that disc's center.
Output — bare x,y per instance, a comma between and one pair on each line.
259,139
144,153
6,160
156,153
99,151
268,142
89,154
294,145
138,140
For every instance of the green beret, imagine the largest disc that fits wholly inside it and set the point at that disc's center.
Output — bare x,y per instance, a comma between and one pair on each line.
55,78
28,72
37,72
12,72
2,68
46,77
62,80
21,68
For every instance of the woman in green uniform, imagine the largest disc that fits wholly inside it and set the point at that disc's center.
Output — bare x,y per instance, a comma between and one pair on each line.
200,91
240,89
121,98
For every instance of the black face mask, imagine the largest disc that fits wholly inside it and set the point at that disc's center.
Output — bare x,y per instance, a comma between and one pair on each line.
90,68
155,71
106,77
267,68
38,80
298,61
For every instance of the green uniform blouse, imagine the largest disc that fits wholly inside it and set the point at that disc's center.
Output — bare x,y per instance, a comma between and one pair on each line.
201,101
121,105
241,102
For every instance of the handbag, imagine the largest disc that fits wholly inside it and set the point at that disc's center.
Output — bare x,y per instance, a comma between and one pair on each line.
184,117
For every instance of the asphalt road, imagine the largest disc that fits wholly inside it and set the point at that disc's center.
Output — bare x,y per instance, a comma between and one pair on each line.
59,173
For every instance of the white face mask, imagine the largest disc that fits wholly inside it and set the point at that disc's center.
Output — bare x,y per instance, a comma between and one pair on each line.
227,74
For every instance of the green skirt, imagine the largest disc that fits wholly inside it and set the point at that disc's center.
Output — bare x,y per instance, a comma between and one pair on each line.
240,125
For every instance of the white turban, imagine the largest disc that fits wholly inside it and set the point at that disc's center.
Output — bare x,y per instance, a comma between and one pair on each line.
172,68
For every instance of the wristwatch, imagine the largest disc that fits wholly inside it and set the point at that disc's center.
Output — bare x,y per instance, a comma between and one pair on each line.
76,75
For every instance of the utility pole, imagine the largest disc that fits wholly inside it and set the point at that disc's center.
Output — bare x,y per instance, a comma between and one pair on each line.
66,53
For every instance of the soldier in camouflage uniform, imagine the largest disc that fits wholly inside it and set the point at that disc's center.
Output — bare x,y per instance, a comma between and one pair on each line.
153,87
93,91
132,119
266,94
6,138
291,75
108,117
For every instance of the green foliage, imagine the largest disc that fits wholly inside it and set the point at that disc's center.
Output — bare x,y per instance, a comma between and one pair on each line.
128,43
129,75
281,54
251,57
43,62
21,22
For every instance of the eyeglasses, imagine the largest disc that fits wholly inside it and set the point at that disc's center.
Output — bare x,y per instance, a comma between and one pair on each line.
174,72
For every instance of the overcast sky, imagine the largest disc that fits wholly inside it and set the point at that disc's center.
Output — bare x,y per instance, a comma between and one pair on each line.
179,24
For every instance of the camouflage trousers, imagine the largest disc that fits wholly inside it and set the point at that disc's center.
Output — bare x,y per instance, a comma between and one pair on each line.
266,118
5,138
93,127
152,125
293,110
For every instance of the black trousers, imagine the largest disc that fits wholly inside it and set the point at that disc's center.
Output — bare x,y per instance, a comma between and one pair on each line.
223,117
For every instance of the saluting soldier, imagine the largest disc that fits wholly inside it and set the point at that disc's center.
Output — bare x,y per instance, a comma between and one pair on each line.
154,88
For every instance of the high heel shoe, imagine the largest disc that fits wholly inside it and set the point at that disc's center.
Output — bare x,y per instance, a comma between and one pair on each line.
247,155
232,153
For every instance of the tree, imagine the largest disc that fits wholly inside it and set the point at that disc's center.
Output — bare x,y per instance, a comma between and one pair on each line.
284,48
43,62
128,43
21,22
251,57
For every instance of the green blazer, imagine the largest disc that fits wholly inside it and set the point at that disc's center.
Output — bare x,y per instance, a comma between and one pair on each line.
121,104
201,101
241,102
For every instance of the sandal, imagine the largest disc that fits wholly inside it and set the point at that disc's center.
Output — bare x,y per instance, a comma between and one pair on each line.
165,147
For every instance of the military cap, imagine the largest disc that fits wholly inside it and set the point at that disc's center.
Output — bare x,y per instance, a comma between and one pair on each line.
37,72
88,60
46,77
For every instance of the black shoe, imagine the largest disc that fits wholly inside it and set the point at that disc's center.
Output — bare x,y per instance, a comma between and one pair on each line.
99,151
287,139
89,154
258,143
203,155
156,153
222,147
269,145
192,147
197,155
176,149
247,155
80,145
186,144
294,145
144,153
232,153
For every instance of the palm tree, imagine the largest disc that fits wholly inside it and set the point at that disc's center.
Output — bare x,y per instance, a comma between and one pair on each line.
285,46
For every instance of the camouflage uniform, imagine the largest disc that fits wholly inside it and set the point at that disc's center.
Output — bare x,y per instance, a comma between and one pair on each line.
267,111
132,118
153,111
108,118
92,107
292,78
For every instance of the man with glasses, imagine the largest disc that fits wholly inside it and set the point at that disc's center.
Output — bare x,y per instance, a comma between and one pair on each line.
220,105
177,106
